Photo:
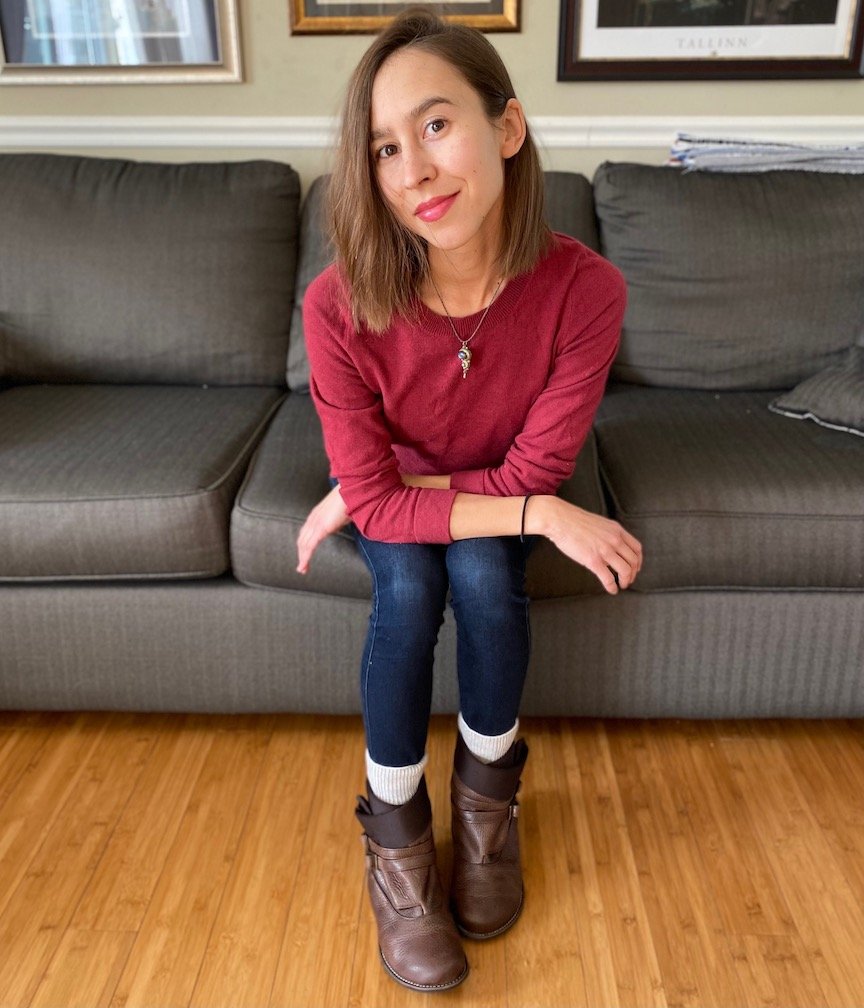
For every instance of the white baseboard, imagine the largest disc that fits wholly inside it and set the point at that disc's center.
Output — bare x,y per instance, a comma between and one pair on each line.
317,132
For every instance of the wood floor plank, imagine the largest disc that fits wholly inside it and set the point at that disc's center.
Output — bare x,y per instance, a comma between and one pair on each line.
123,884
544,957
694,963
165,960
35,795
744,886
829,770
321,929
775,970
39,909
18,750
628,753
240,960
620,963
826,913
84,970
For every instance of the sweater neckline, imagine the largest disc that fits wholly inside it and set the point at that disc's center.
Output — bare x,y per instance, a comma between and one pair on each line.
465,324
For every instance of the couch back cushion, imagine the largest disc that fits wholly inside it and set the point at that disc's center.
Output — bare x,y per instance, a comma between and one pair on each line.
570,206
736,281
316,253
127,272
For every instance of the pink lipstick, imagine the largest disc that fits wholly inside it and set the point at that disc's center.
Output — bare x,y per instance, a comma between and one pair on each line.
434,209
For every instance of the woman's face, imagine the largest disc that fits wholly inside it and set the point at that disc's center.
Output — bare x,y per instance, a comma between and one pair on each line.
438,159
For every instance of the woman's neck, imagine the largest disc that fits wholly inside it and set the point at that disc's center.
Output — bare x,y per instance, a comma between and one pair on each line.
464,287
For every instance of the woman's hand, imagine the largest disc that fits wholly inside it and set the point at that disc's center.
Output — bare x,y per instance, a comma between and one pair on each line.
600,544
328,516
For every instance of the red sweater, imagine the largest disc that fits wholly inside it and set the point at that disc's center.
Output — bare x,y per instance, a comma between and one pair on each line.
397,402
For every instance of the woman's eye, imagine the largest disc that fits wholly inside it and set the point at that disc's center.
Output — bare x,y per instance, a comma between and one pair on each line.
388,150
436,125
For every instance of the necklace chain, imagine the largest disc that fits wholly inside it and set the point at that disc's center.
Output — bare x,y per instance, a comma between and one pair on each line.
465,354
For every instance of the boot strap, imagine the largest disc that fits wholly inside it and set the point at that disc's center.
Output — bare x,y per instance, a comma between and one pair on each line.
399,859
487,815
396,865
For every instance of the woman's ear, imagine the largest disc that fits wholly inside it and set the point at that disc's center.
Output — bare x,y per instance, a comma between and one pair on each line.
513,127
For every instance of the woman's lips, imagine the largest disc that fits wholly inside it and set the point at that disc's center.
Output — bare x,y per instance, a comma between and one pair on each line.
434,209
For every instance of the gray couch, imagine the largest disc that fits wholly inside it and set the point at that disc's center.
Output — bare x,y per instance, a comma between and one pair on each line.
158,454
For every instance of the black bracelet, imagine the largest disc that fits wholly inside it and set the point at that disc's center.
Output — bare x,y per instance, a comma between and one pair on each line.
522,528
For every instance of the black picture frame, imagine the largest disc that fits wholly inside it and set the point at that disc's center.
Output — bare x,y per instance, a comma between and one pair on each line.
676,40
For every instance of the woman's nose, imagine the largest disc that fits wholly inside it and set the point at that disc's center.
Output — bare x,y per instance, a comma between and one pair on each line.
417,167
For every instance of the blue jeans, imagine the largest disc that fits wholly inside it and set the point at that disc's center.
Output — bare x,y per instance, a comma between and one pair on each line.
410,582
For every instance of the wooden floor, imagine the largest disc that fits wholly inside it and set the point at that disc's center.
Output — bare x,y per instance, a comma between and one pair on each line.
154,861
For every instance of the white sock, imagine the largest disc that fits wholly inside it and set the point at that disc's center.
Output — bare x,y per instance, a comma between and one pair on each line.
394,784
487,748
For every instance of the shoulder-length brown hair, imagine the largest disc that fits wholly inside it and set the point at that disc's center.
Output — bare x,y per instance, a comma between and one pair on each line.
382,260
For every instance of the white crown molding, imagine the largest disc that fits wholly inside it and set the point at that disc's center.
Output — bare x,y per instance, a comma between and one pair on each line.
318,132
167,131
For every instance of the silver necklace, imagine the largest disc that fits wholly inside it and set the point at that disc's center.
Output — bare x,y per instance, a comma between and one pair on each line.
465,354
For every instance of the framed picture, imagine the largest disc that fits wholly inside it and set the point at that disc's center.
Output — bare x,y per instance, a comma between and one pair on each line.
330,17
118,41
702,39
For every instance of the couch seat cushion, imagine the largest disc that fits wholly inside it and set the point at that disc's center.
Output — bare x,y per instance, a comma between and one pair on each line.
117,481
724,493
287,477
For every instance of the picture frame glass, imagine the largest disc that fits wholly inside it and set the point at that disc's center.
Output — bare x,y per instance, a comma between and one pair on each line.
110,33
716,28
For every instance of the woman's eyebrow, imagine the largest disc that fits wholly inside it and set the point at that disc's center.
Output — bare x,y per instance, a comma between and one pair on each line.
415,113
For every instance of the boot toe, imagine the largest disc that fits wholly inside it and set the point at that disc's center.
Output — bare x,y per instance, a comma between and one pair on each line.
487,918
430,959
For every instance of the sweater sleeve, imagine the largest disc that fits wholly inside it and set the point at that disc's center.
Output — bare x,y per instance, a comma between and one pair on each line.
543,455
357,438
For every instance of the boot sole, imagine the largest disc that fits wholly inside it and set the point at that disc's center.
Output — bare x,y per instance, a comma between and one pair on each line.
423,988
488,934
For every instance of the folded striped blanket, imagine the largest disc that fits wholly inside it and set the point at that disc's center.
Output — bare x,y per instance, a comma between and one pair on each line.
724,154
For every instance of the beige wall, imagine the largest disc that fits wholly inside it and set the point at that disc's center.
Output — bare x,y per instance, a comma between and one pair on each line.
289,75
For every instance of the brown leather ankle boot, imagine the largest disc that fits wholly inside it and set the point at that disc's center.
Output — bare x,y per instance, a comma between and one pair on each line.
419,944
486,894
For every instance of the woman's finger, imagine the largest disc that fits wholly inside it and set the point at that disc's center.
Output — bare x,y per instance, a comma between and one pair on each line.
604,574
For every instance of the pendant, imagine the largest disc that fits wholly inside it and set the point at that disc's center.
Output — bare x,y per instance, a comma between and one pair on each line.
465,359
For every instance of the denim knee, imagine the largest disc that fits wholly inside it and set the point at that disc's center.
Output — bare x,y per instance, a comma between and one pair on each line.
487,573
408,579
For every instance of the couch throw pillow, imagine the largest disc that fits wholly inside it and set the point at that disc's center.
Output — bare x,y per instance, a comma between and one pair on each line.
833,398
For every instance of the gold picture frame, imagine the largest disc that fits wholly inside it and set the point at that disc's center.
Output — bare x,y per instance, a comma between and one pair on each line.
197,42
343,17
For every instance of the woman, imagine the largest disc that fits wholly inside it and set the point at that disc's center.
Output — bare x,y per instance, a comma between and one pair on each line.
458,353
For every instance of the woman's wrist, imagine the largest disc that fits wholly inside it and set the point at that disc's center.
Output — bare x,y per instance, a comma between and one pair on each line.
429,482
539,514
